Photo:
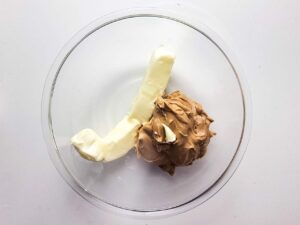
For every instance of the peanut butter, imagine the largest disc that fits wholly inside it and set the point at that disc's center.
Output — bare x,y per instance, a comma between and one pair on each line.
187,120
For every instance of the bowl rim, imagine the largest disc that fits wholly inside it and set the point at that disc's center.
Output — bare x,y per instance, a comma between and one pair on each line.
185,18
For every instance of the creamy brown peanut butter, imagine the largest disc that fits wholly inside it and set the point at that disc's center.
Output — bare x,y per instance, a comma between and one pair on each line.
187,120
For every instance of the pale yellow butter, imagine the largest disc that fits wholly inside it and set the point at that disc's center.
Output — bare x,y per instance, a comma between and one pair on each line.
123,136
154,84
170,135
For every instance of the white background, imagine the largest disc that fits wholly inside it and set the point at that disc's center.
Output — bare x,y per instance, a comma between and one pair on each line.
265,36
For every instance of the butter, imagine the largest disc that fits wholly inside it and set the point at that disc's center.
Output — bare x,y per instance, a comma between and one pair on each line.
154,84
87,143
113,146
123,136
170,135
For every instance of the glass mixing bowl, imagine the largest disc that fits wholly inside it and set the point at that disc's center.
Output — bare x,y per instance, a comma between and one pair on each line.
92,84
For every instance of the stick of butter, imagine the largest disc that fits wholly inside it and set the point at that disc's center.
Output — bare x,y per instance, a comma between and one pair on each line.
123,136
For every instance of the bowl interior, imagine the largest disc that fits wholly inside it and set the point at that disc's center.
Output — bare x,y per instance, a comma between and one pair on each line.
96,85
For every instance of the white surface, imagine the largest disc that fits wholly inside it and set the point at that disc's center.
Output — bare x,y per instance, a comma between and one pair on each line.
265,189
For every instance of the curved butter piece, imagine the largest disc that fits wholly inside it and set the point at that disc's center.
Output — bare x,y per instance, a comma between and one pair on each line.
123,136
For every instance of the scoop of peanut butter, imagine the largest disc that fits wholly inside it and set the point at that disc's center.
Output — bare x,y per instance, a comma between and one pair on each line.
187,120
